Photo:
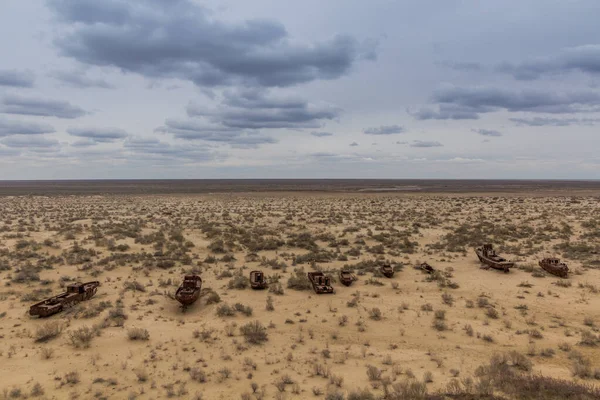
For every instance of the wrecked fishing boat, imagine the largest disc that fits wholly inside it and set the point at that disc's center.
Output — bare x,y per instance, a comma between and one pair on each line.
426,268
487,255
189,290
258,280
347,277
76,292
387,270
320,283
554,266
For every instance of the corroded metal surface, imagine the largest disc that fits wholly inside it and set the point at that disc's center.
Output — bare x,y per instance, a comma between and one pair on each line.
387,270
487,255
347,277
258,280
189,290
75,293
554,266
320,283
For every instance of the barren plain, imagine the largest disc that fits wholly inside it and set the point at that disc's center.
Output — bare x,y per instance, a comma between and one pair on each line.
463,332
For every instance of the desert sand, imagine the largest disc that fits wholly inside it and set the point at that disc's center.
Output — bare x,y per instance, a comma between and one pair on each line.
375,338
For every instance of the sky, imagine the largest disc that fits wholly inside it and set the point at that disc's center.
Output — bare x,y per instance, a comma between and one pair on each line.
142,89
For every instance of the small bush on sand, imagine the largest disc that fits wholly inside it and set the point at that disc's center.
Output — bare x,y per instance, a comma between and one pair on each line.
48,331
138,334
254,332
81,338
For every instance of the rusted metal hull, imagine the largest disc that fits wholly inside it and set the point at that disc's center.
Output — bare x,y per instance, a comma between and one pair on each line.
189,291
319,283
496,264
187,297
258,281
426,268
561,270
56,304
346,278
387,271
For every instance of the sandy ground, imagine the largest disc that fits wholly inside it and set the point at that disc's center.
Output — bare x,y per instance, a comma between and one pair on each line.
309,335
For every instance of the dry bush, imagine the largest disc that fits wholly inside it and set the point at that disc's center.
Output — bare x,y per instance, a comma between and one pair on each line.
138,334
373,373
254,332
447,299
375,314
270,306
81,338
48,331
246,310
225,310
198,375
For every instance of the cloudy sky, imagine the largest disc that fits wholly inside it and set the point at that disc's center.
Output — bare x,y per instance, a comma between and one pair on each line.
304,89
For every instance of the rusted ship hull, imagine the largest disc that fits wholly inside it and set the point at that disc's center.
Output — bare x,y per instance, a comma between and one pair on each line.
187,297
320,283
426,268
346,278
189,291
74,294
387,271
499,265
258,281
561,270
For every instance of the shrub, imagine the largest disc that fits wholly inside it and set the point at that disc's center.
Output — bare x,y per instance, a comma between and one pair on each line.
213,298
138,334
299,281
72,378
491,312
239,282
198,375
48,331
225,310
588,339
246,310
270,306
375,314
373,373
82,337
447,299
254,332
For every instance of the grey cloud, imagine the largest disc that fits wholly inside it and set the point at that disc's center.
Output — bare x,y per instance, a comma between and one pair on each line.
23,128
487,132
321,134
79,79
384,130
256,109
12,104
425,143
543,121
467,102
84,143
584,58
181,40
100,135
323,154
16,78
401,142
443,112
155,149
462,66
195,130
353,144
29,141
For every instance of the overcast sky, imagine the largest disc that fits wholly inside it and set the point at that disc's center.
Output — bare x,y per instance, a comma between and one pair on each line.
303,89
